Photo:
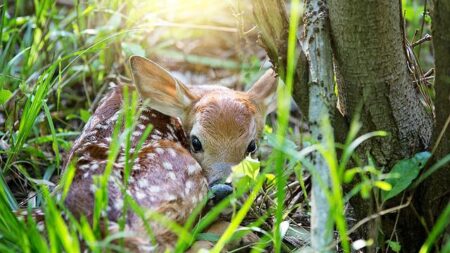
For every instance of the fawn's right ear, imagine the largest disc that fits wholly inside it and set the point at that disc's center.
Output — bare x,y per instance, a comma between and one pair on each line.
155,84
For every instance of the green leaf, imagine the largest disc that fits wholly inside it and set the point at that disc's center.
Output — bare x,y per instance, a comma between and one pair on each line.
365,190
350,174
403,173
270,178
85,115
395,246
249,167
210,237
385,186
4,96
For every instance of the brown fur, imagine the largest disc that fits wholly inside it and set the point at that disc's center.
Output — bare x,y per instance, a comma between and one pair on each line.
167,177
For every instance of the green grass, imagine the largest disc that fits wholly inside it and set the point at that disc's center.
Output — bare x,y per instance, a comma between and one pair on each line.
55,65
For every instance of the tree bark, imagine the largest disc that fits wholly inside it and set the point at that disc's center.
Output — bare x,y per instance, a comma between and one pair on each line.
372,70
374,82
317,45
433,194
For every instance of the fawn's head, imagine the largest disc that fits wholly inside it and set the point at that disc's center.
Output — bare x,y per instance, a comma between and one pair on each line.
223,125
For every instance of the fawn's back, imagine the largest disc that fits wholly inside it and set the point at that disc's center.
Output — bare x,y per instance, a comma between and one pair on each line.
164,176
179,160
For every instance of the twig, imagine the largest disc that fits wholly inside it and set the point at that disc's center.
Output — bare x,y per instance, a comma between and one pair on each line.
429,73
424,80
441,134
423,24
395,224
427,37
376,215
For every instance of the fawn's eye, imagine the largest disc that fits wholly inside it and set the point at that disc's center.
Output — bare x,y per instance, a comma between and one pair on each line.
251,147
196,144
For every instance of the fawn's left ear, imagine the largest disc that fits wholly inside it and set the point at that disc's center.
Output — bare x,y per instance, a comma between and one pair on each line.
164,93
263,92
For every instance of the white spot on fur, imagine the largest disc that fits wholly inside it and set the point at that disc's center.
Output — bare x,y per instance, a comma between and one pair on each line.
84,166
159,151
151,156
140,195
137,133
169,197
155,137
172,152
101,126
114,117
193,169
103,145
94,166
40,226
194,199
141,126
144,117
167,166
118,204
200,196
93,132
143,183
189,185
154,189
172,176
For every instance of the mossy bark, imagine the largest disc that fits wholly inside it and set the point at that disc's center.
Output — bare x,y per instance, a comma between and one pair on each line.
374,83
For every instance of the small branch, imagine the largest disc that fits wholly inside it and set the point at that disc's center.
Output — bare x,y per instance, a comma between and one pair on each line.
376,215
427,37
429,73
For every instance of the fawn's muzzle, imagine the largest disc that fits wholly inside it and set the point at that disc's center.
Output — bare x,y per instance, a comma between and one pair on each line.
220,191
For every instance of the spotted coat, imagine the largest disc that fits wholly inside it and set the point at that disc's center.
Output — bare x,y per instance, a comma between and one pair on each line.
164,178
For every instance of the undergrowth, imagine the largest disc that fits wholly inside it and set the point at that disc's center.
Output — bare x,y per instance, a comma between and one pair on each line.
58,60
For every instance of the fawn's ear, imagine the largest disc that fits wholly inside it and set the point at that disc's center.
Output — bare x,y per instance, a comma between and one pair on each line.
155,84
263,92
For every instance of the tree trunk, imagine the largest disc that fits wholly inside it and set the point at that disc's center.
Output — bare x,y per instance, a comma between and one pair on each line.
433,194
317,45
373,81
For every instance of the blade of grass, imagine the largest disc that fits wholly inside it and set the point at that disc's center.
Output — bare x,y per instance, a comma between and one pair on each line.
439,227
55,146
236,221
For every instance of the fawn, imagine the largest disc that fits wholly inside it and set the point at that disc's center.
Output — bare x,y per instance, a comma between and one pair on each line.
199,133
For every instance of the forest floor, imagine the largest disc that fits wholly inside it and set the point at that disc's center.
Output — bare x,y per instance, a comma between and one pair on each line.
58,59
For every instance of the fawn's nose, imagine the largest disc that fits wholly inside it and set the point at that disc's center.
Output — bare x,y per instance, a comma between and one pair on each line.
220,191
218,175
